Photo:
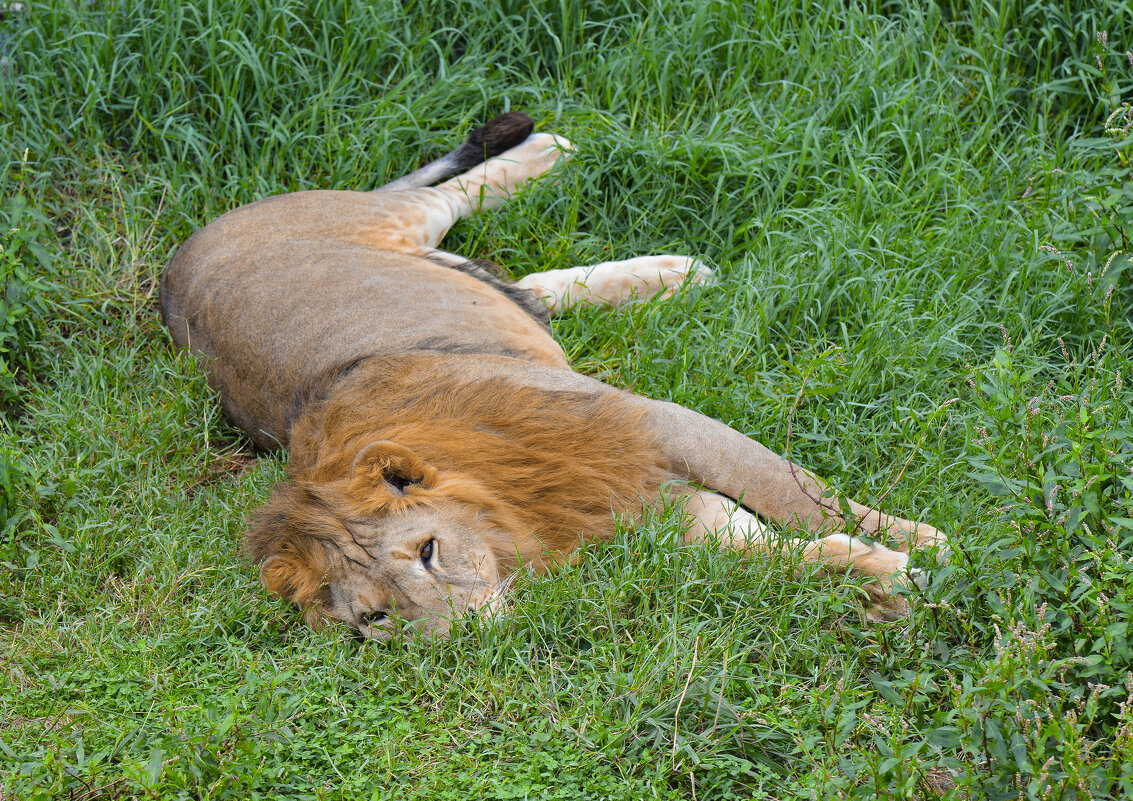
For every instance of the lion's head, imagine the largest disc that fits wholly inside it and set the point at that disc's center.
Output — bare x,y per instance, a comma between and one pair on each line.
393,542
412,499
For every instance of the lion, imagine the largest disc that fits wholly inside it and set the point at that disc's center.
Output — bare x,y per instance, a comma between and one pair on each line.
439,439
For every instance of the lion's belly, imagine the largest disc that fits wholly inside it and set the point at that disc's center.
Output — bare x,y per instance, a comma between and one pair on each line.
270,323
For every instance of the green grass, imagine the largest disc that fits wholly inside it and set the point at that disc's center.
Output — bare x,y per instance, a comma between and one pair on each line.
879,187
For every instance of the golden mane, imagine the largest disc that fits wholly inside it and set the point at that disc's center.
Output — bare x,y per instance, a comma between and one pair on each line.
549,466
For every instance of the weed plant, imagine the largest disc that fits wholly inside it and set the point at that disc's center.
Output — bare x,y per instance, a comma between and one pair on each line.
919,215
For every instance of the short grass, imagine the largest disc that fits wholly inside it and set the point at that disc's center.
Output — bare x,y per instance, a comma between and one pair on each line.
911,208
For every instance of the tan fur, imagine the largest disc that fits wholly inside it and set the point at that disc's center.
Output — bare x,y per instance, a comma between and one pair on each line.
438,438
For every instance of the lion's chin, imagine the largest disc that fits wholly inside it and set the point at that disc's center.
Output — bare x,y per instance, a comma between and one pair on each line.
416,631
492,606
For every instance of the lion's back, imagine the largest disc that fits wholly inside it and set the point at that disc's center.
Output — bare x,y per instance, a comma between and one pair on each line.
270,314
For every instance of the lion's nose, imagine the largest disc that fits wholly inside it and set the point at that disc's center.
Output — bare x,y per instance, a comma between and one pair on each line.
371,618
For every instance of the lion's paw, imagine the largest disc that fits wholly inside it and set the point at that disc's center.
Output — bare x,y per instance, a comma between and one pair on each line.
911,535
887,610
883,603
666,274
540,152
915,577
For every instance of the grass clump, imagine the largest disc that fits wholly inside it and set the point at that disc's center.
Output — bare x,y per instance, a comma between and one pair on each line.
25,294
919,218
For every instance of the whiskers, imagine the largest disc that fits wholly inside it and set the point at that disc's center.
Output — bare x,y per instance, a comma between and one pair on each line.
499,601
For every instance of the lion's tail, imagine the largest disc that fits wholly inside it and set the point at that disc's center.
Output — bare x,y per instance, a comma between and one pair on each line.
490,139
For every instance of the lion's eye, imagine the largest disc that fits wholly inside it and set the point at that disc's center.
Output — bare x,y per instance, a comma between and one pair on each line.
427,551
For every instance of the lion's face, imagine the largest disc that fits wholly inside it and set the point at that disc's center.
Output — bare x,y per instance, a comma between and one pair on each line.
393,544
426,564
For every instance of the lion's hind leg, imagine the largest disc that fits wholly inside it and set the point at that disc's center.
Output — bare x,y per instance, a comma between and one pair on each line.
491,139
613,282
415,220
715,518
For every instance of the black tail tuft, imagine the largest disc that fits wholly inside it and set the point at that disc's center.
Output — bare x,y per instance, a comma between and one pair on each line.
500,134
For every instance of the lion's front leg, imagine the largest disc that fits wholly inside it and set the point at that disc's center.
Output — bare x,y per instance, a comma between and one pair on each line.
712,518
713,455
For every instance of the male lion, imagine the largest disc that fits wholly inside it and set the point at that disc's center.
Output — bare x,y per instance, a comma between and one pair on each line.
438,437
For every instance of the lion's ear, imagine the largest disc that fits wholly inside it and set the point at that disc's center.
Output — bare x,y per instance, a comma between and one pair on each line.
386,468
